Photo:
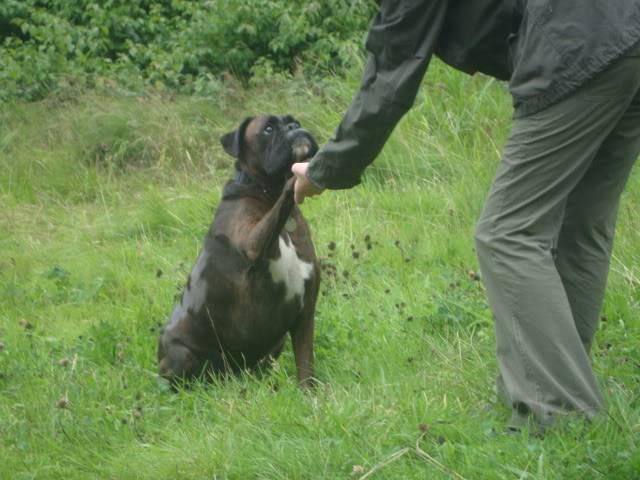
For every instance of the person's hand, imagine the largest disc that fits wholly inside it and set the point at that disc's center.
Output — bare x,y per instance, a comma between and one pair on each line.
303,187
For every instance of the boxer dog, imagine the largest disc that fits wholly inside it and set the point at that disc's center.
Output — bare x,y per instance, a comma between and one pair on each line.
256,278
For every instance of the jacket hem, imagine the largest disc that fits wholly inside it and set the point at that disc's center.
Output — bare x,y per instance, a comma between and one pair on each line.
576,77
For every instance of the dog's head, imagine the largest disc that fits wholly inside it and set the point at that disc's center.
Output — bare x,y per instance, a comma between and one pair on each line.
265,147
177,361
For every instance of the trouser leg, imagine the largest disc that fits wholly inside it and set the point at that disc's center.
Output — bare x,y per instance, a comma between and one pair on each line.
586,237
544,366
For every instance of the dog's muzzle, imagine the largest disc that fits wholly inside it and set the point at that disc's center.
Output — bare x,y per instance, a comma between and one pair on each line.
303,144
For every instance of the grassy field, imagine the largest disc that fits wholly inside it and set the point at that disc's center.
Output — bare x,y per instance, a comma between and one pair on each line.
103,205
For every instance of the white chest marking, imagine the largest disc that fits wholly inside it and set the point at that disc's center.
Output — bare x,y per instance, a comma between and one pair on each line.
290,270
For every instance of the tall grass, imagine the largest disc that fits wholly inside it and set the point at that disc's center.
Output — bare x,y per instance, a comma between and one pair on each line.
104,202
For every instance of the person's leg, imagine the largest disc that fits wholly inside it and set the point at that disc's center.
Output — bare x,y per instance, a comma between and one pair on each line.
543,364
586,237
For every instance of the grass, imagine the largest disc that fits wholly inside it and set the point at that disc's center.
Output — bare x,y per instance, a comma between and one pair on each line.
103,205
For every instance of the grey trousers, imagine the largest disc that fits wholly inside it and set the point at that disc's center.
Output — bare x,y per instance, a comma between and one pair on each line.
545,236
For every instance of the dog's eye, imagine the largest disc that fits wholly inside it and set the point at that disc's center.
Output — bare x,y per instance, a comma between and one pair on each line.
268,130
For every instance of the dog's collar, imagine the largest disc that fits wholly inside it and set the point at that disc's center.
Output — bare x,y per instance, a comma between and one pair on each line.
246,180
243,178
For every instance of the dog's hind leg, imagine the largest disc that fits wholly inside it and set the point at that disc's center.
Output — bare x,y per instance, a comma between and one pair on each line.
302,339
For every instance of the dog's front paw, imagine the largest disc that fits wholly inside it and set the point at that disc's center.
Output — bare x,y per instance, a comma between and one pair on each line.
289,186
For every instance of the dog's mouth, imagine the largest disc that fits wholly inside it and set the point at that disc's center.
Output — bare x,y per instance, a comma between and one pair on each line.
304,147
302,152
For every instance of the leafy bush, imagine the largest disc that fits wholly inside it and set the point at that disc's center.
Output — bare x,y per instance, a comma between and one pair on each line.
184,45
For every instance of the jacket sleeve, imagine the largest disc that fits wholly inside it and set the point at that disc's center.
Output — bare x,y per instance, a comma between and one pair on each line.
401,41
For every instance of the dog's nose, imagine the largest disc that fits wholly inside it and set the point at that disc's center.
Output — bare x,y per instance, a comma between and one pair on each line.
292,126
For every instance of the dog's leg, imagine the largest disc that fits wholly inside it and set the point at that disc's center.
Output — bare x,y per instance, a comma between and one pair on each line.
263,238
302,339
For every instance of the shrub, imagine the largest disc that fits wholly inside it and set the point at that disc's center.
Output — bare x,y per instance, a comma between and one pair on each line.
183,45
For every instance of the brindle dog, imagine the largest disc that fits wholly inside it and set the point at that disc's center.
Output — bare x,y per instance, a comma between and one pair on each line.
257,277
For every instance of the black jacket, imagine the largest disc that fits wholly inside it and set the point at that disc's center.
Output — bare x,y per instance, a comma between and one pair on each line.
546,49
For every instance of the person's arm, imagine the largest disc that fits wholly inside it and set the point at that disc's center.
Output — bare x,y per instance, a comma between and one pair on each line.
401,41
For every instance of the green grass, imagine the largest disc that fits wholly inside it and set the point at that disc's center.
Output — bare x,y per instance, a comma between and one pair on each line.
103,205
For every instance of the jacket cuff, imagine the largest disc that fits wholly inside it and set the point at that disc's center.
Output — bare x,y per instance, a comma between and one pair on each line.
323,176
312,176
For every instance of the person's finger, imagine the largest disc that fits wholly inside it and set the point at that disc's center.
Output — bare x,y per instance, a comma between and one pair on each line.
298,197
303,187
299,170
296,190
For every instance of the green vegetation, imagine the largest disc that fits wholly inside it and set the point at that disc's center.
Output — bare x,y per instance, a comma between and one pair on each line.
182,45
104,201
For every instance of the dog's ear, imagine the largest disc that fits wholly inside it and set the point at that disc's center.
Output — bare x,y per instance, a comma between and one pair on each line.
232,141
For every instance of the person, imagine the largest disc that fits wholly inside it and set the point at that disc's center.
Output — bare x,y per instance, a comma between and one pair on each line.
545,235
